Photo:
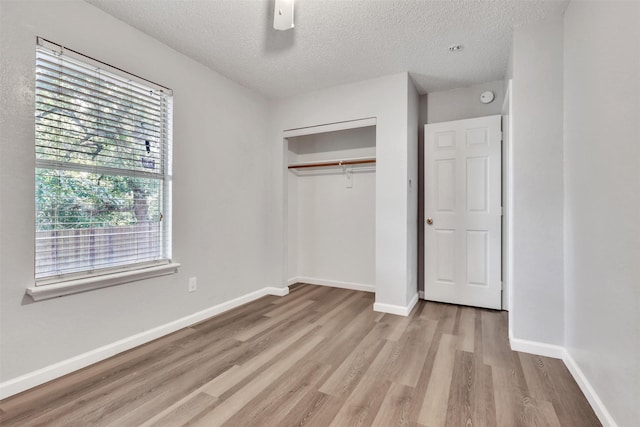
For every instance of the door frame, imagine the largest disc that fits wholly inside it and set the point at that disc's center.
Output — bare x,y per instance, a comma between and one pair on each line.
507,200
507,203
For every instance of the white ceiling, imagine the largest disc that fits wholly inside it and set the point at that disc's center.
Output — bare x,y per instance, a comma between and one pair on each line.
339,41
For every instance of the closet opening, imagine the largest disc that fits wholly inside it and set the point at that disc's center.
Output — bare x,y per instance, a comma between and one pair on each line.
330,220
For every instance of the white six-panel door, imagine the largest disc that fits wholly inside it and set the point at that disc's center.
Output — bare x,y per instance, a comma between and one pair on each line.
463,212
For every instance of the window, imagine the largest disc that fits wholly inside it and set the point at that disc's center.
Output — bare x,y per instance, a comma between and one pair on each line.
103,189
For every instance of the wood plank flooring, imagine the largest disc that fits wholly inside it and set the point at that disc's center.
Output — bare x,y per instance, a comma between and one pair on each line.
317,357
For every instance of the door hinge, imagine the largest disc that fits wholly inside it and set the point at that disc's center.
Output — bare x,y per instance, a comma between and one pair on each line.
501,211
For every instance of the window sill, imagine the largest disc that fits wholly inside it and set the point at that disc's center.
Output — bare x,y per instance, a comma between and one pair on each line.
39,293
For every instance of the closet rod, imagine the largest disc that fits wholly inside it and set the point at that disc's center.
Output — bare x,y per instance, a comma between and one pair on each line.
339,163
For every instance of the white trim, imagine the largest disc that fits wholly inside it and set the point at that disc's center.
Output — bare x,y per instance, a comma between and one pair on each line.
421,294
42,292
330,127
396,309
412,303
279,292
51,372
68,166
509,282
598,407
332,283
507,198
539,348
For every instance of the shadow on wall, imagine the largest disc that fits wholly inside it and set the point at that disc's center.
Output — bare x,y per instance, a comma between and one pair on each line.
423,82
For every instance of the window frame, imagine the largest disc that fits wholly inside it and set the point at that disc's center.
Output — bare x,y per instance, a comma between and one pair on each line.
92,278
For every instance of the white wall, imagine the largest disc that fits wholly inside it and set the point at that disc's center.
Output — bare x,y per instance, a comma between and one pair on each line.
537,290
602,200
336,229
464,102
332,226
385,98
220,183
293,268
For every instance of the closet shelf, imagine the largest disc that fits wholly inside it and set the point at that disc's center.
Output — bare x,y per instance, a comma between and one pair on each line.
332,163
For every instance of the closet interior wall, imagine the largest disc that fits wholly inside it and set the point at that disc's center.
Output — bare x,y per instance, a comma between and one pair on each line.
331,209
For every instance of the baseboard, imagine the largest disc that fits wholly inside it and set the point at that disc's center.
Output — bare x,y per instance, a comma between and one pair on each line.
51,372
396,309
421,294
279,292
533,347
598,407
558,352
334,283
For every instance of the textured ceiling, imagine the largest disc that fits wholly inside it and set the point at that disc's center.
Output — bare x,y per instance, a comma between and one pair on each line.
339,41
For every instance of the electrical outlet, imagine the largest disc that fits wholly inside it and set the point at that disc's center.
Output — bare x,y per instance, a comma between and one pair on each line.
193,284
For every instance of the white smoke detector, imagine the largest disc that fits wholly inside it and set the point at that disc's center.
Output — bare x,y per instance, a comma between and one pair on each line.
487,97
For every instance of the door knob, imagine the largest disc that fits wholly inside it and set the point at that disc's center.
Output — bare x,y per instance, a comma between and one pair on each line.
430,221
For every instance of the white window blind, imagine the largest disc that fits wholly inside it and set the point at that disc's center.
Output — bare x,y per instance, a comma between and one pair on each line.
102,142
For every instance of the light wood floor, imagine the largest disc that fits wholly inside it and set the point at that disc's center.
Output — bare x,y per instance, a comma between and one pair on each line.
319,357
